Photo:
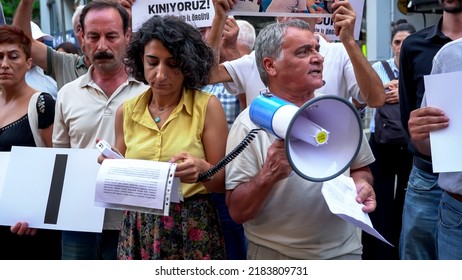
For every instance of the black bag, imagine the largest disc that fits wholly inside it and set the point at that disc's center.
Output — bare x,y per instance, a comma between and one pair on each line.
388,126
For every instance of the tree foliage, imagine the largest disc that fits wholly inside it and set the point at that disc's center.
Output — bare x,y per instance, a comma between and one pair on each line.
9,8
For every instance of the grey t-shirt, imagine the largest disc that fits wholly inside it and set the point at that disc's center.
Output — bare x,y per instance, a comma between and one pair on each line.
64,67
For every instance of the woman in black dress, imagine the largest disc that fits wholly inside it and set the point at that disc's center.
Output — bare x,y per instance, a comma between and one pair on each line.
15,130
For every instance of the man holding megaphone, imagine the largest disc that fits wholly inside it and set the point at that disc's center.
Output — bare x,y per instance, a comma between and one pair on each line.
285,216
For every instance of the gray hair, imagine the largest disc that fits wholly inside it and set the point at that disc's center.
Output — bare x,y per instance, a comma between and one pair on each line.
269,42
246,34
76,17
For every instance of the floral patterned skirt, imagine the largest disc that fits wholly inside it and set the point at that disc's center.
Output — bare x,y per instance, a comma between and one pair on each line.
191,232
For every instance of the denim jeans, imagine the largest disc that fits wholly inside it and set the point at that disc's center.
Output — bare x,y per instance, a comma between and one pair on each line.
449,229
90,245
420,216
235,240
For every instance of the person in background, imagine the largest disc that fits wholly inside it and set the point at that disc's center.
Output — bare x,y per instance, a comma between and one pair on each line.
35,77
422,122
285,216
229,101
241,46
241,34
68,47
173,121
347,72
86,107
63,67
393,161
245,37
16,130
423,194
76,26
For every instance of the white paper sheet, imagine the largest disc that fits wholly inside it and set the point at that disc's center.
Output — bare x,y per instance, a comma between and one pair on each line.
340,195
30,174
443,91
141,185
4,159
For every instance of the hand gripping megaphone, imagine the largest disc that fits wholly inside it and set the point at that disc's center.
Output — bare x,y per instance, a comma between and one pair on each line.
322,137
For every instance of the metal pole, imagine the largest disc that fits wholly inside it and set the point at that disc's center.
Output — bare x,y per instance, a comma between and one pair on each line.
63,22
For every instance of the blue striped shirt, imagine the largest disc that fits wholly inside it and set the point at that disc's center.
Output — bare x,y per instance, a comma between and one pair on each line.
230,102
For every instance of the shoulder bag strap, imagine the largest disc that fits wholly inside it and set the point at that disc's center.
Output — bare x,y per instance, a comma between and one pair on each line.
32,115
387,67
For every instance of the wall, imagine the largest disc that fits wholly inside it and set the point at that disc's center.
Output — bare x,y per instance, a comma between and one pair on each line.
379,16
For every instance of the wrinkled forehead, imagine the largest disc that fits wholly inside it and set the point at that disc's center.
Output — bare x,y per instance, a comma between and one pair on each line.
96,18
10,48
295,35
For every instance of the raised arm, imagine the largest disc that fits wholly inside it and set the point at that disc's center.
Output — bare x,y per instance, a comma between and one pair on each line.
22,19
369,83
219,73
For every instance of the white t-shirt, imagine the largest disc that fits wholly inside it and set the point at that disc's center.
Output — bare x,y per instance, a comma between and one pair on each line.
37,79
295,219
337,72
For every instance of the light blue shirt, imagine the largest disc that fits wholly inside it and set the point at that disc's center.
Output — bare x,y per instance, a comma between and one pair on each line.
378,67
230,102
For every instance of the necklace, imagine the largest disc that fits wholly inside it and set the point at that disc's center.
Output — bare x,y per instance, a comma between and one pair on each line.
162,111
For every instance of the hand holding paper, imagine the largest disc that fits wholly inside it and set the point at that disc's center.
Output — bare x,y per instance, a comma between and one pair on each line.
340,194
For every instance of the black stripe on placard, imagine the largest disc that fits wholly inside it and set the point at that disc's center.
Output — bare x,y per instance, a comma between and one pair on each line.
56,189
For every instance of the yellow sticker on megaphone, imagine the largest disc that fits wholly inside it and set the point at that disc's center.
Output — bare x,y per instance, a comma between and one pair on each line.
321,137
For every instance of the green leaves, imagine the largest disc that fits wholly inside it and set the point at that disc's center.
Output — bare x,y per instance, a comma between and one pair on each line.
9,8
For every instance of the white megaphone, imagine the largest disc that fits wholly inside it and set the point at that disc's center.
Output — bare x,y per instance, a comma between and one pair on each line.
322,137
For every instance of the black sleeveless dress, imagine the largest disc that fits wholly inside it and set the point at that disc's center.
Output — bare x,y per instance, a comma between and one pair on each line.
46,244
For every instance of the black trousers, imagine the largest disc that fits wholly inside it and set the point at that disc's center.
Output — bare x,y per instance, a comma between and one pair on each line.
393,163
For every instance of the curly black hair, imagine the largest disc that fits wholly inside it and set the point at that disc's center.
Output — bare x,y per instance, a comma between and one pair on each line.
182,40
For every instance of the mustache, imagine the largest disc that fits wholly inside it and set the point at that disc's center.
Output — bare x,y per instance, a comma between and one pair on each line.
103,55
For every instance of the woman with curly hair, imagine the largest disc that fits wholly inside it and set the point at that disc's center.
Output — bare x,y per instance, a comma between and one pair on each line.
173,121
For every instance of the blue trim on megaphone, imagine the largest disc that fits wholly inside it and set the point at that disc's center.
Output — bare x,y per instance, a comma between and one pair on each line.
262,110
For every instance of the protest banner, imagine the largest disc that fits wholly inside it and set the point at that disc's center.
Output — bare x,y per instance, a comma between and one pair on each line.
200,13
320,9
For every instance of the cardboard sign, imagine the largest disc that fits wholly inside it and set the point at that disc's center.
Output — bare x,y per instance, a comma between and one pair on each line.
198,13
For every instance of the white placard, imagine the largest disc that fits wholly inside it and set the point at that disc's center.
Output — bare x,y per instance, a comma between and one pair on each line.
325,25
443,91
200,13
35,192
4,159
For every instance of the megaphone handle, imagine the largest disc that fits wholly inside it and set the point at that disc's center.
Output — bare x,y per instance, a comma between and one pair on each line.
229,157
